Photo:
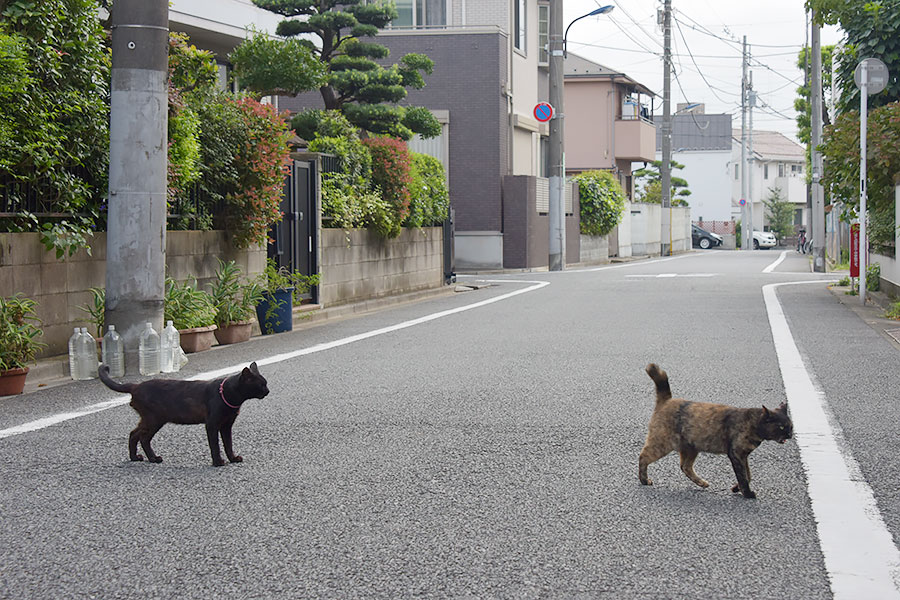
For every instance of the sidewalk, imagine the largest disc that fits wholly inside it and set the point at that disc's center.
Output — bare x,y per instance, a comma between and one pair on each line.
877,303
53,371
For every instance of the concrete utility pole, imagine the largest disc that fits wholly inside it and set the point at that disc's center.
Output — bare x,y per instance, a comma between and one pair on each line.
818,193
136,229
746,226
665,169
751,102
557,258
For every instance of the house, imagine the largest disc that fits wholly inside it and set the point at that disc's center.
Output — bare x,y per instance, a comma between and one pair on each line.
777,163
702,143
608,122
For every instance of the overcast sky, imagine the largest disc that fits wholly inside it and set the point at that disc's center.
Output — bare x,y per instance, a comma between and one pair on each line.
629,40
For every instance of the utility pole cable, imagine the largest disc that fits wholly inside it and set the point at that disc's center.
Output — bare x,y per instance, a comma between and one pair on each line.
665,169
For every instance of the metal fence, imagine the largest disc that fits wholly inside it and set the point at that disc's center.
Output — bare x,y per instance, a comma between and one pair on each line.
719,227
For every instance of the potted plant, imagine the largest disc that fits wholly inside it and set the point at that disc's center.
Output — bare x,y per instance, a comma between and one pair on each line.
19,333
281,289
192,312
235,304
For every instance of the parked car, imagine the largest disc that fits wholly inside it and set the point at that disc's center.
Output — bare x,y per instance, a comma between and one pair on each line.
763,239
704,239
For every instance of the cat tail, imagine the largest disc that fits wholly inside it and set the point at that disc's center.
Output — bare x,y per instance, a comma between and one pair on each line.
103,372
659,377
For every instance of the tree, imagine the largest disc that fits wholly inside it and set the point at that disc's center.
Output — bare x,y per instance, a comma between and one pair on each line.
355,84
652,190
872,29
780,213
803,103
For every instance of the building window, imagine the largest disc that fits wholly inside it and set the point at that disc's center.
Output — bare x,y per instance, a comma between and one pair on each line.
781,169
420,13
735,172
766,171
520,25
543,34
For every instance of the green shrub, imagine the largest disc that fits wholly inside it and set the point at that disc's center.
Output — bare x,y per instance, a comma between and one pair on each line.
188,307
602,202
893,312
429,199
873,277
391,174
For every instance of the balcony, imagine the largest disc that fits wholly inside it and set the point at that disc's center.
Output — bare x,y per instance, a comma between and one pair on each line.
635,139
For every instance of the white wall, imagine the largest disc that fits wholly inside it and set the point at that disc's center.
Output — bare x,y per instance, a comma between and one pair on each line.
706,172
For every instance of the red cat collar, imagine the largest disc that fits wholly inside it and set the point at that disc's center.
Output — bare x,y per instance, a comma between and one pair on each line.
222,394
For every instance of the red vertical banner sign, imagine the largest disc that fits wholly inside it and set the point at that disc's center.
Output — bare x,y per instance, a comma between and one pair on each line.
854,250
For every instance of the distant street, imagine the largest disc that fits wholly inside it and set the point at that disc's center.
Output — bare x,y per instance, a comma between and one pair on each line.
484,444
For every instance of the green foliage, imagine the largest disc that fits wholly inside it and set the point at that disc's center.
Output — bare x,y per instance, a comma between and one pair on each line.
429,198
54,77
184,151
803,103
355,84
235,300
276,66
844,282
96,310
275,279
840,150
391,174
872,30
244,150
893,312
652,190
780,213
873,277
187,306
19,332
602,201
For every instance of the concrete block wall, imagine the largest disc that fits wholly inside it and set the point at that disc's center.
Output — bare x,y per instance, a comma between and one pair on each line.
358,265
646,229
61,286
594,249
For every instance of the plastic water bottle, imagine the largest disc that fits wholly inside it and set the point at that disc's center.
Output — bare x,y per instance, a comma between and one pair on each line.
73,362
171,345
113,352
86,355
148,351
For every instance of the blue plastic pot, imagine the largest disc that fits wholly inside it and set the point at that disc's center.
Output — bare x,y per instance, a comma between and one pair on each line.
275,312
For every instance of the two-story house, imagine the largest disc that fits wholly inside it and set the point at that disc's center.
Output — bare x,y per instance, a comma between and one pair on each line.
777,163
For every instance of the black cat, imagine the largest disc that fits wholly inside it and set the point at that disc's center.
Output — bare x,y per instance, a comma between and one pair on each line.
215,403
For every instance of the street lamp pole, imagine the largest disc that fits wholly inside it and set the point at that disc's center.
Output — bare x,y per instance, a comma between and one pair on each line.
557,38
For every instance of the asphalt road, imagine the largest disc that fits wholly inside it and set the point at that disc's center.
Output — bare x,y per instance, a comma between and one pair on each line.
490,451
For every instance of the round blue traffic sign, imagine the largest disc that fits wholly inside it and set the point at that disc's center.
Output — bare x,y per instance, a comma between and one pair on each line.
543,112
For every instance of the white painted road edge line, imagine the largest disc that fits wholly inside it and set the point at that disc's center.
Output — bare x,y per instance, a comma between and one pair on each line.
860,556
125,398
777,262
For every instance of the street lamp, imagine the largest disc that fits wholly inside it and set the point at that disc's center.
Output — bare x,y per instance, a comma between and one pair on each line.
557,243
597,11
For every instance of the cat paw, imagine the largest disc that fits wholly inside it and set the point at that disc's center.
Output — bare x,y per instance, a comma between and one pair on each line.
236,459
219,463
735,489
137,458
647,481
750,494
703,483
156,459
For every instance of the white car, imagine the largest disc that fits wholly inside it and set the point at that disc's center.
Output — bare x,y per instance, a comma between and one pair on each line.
763,239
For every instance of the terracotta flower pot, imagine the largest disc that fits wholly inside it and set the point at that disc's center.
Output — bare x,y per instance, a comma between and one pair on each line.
197,339
12,382
234,333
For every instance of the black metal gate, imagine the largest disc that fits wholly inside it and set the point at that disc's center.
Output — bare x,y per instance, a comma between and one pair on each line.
293,240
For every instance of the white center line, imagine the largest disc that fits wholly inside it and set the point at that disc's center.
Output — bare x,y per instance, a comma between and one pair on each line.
777,262
860,556
124,398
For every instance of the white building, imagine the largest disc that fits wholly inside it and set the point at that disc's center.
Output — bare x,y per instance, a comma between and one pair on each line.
777,162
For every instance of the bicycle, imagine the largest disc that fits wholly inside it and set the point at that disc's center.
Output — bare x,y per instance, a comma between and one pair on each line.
801,241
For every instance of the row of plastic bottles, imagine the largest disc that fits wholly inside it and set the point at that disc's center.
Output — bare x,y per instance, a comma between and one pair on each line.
155,353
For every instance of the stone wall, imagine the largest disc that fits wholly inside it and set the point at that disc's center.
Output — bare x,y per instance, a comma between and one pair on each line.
61,286
359,265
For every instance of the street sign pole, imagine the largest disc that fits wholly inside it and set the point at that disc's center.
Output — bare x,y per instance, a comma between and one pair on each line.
871,77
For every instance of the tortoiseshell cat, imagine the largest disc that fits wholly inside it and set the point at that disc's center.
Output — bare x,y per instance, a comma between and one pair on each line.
215,403
693,427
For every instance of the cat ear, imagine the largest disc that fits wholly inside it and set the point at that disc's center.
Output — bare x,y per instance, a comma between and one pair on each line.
766,412
254,368
783,407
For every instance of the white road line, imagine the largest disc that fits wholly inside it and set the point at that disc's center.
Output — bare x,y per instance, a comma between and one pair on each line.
777,262
860,556
124,399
